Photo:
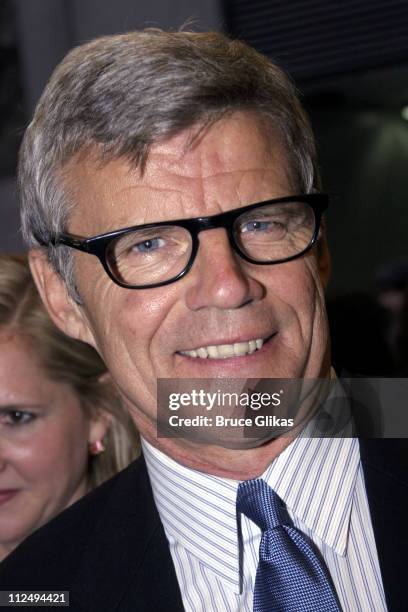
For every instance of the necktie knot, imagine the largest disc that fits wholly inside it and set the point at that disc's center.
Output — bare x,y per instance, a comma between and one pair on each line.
260,504
290,576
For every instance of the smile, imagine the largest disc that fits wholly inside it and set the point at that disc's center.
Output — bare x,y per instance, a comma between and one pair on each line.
225,351
7,494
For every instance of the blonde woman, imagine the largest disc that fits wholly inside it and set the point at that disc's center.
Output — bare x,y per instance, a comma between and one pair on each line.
62,428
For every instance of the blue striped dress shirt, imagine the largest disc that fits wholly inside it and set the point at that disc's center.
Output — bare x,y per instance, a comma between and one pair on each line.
321,482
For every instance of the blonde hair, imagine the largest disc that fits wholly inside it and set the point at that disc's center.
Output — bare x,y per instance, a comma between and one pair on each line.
68,361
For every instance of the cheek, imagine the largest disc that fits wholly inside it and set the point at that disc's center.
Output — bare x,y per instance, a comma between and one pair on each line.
308,302
70,445
131,324
303,322
298,287
55,456
298,291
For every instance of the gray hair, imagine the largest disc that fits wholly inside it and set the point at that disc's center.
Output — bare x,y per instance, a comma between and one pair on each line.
122,94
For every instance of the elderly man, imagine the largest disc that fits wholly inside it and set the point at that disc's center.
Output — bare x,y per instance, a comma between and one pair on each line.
170,199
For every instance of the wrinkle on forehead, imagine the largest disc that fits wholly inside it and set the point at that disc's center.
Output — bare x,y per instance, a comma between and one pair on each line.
182,181
184,154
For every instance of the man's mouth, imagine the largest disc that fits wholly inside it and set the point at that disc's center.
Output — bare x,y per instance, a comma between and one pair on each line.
225,351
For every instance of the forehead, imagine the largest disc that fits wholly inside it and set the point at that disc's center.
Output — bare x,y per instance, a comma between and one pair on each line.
234,162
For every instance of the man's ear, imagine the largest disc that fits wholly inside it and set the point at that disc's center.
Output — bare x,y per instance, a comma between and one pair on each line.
67,315
323,260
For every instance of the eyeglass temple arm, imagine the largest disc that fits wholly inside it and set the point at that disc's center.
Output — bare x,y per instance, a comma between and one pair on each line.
65,239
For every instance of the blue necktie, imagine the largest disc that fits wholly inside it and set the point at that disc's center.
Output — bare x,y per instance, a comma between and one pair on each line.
290,576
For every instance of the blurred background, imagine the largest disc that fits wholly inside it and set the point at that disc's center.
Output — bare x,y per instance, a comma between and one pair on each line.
349,59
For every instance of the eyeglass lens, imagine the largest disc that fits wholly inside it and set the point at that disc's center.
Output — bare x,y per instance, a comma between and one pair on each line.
275,232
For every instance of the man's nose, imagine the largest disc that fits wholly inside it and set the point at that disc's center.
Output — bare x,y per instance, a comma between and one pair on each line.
219,277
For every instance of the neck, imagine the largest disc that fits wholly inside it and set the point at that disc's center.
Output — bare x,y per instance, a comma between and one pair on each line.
246,461
243,464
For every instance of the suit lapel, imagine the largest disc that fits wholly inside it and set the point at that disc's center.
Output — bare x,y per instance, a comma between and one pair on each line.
385,466
127,564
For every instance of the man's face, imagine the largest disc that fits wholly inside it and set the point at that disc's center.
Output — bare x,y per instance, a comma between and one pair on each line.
142,334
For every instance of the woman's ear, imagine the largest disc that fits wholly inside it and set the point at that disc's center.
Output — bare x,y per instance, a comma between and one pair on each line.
99,426
105,378
66,314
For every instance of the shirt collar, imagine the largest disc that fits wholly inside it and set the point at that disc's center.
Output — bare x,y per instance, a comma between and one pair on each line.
315,477
197,511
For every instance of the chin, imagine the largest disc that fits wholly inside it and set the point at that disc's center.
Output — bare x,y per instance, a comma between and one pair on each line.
245,444
240,441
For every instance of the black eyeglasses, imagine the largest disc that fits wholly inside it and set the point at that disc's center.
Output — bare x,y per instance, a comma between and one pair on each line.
156,254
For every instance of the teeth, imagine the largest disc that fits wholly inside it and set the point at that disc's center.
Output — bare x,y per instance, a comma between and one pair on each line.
241,348
212,352
223,351
252,346
226,350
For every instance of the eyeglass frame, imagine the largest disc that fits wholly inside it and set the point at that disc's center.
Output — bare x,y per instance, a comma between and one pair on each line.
98,245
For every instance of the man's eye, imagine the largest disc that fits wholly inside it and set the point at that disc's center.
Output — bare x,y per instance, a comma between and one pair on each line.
255,226
271,226
16,417
147,246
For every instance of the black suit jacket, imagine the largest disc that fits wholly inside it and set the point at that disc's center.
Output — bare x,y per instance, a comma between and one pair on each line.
110,551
